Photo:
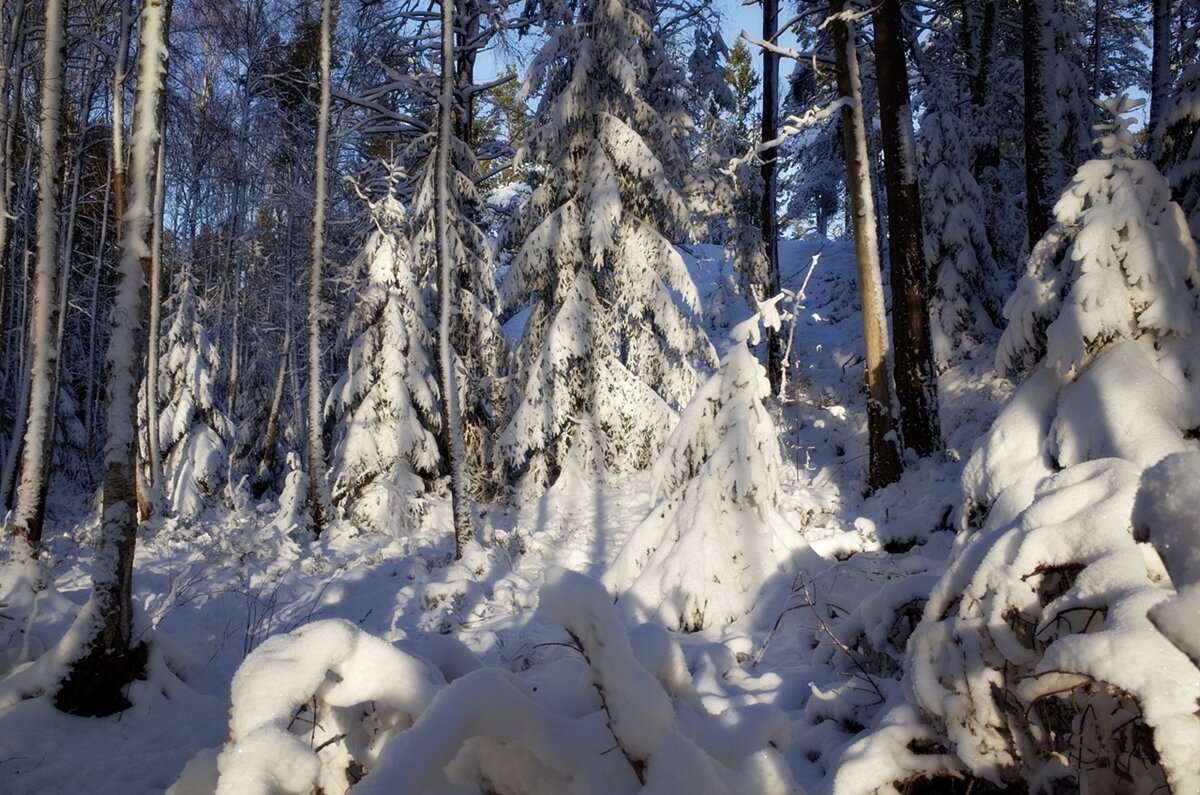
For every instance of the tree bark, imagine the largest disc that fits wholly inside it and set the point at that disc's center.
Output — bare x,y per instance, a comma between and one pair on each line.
916,376
451,416
1160,73
110,659
769,208
318,505
125,22
885,463
1039,137
43,350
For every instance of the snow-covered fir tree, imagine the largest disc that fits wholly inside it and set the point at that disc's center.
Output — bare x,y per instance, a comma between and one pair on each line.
716,534
964,303
479,349
193,427
386,401
611,336
1118,263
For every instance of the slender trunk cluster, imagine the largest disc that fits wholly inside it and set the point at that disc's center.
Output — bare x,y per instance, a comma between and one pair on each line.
885,465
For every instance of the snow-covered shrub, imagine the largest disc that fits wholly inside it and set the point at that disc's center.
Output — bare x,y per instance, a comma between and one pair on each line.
330,707
192,425
315,707
715,536
1165,515
1035,656
387,399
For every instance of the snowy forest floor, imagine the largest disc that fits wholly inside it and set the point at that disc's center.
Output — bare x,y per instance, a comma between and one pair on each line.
214,589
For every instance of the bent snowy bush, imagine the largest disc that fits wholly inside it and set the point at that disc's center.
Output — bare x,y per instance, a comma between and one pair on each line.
329,708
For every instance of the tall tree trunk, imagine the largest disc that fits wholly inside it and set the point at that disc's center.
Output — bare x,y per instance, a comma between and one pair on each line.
153,443
987,152
43,357
318,505
885,462
7,60
1039,136
125,22
95,682
266,466
769,209
1160,73
451,417
916,378
1094,50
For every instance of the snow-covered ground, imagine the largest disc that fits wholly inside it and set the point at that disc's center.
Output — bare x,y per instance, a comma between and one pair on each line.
775,701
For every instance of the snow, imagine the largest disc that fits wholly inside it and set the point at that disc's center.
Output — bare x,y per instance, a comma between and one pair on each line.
851,646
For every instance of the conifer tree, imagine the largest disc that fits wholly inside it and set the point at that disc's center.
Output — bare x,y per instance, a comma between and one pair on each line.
193,427
612,338
1117,264
715,535
387,400
963,269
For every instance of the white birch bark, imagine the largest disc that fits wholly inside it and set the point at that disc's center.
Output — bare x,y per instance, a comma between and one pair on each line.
317,501
450,407
31,491
154,453
110,660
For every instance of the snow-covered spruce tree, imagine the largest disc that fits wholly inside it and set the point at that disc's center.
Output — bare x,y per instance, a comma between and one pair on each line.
964,308
1118,263
715,536
611,340
387,400
1035,657
193,427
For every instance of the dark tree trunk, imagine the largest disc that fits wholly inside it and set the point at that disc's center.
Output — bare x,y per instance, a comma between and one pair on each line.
1039,137
767,221
1160,73
916,379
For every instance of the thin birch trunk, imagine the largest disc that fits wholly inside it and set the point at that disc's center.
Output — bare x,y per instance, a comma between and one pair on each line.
317,503
153,442
885,463
118,113
452,419
109,658
43,357
266,466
